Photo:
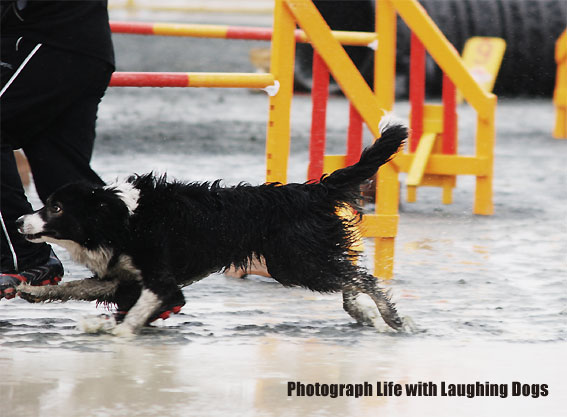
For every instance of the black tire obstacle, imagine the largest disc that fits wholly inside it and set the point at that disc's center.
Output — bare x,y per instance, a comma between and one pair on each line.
529,27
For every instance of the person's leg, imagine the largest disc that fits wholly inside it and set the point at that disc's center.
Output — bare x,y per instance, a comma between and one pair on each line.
20,260
21,117
34,89
62,153
24,111
16,252
39,86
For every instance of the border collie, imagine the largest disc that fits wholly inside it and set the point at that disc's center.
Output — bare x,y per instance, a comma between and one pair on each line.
146,238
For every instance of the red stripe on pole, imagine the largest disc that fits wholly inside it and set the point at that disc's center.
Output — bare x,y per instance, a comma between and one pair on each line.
252,33
319,97
417,90
449,145
139,28
354,139
149,79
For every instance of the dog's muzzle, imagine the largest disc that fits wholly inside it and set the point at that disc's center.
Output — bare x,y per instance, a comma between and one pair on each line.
31,226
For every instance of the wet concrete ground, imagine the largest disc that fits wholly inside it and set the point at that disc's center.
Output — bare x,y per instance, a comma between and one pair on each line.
487,294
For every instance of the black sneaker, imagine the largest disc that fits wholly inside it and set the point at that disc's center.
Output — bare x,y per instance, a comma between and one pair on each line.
49,273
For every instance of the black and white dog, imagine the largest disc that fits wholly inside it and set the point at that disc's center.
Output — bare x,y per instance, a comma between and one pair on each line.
146,238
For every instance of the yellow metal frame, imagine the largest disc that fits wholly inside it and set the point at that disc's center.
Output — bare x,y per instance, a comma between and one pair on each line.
560,92
383,224
371,106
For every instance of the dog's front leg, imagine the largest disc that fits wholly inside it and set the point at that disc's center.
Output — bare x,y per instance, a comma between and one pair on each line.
89,289
145,307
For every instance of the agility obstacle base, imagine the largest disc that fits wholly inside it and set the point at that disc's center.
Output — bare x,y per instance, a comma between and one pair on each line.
432,157
560,92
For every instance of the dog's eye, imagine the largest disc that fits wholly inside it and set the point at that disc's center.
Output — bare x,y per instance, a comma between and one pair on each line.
55,208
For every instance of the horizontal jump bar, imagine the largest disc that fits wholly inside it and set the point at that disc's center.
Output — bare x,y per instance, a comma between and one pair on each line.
230,32
447,164
191,79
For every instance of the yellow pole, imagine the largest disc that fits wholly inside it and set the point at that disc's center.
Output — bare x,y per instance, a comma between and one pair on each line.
387,193
279,124
384,223
226,32
190,30
385,62
230,79
560,91
485,138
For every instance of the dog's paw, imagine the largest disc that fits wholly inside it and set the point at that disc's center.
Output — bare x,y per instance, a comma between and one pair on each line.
103,323
408,325
123,330
30,293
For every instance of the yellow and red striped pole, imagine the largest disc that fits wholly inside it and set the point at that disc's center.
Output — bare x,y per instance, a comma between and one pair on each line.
192,79
230,32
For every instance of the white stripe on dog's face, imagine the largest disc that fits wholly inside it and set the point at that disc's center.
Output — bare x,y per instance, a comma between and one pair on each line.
32,225
127,193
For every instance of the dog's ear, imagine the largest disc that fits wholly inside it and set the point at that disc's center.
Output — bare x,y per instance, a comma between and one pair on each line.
108,204
109,218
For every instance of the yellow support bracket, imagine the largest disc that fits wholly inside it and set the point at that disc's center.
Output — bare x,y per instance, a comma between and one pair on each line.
279,118
420,159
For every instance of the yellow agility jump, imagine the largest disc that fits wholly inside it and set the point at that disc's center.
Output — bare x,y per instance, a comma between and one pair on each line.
371,106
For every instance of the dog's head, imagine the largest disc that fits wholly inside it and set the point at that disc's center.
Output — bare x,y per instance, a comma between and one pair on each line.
90,216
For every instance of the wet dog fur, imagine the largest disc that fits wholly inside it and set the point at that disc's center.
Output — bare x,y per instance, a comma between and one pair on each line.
146,238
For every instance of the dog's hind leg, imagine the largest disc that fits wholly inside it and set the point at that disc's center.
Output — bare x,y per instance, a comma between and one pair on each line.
368,284
351,306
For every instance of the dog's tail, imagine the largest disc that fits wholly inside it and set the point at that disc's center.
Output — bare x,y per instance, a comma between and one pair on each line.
393,135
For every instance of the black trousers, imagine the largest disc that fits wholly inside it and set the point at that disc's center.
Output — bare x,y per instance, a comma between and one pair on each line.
48,109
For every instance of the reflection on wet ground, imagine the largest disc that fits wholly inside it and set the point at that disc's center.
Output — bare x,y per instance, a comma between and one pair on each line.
162,375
